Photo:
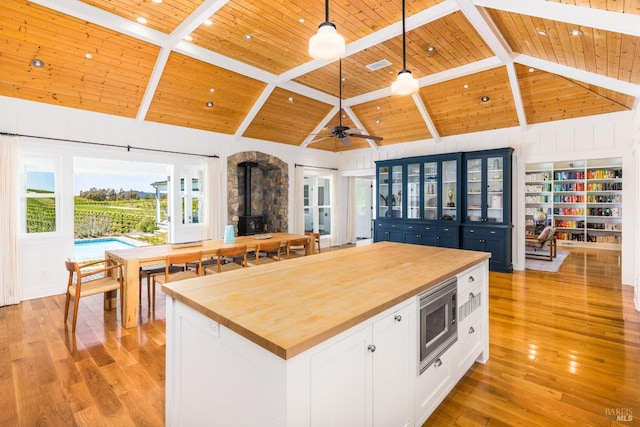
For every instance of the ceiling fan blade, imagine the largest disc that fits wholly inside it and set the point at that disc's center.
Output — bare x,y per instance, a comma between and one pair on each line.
359,135
321,139
345,141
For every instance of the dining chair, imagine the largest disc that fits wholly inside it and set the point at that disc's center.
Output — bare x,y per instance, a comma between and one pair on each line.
149,270
316,238
89,279
224,254
266,247
297,247
167,276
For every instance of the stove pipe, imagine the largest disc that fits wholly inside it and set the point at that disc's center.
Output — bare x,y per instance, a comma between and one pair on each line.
247,185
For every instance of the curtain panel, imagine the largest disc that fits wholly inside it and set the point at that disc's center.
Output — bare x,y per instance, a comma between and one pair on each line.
10,291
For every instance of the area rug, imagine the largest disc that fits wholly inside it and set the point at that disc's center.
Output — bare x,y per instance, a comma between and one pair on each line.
550,266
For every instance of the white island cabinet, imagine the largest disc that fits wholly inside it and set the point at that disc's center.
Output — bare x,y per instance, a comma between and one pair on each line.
298,344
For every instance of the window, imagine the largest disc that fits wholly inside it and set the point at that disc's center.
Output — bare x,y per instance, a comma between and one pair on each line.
39,200
192,196
317,204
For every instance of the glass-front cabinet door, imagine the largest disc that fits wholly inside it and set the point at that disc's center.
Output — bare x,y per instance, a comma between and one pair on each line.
485,180
390,191
431,190
474,190
413,191
449,190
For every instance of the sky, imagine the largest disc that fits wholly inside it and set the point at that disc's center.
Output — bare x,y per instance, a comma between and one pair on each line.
86,181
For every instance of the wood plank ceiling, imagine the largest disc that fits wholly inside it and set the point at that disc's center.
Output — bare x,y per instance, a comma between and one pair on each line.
241,67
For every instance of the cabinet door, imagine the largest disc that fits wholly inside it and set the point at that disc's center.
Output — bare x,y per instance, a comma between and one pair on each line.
476,196
391,370
341,383
430,190
414,191
449,189
495,189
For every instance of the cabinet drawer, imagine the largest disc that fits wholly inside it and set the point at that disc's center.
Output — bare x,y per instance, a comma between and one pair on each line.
483,232
469,345
469,279
388,226
419,228
470,303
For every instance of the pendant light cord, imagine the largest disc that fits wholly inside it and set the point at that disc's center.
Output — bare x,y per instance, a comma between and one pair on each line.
404,41
340,95
326,11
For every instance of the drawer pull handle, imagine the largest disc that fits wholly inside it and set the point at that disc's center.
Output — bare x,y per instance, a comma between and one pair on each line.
397,318
437,363
371,348
471,279
471,295
471,330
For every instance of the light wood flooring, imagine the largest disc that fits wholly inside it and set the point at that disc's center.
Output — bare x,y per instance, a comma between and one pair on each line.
564,351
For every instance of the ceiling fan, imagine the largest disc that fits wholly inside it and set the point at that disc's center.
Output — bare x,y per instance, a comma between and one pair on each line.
344,132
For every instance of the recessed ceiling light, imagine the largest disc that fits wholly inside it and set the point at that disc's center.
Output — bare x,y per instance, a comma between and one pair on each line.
188,38
575,32
542,32
466,86
377,121
290,99
88,55
485,98
531,70
431,49
211,90
208,22
38,63
156,1
209,104
141,20
248,36
344,79
378,107
301,20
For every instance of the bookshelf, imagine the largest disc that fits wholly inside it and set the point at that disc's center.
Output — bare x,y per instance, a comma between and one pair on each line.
582,199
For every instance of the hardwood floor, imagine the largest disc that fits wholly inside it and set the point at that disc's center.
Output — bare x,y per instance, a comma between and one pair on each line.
564,350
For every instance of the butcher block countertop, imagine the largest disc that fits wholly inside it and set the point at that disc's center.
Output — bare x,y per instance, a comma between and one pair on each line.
290,306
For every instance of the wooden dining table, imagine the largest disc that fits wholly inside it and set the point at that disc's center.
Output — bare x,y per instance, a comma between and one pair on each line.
134,258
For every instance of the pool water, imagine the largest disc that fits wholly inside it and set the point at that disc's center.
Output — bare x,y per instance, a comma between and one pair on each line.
94,248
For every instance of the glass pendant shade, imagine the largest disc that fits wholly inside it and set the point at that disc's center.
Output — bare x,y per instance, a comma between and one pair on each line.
405,84
326,44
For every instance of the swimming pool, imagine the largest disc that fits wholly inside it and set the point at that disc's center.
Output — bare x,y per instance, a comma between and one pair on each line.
94,248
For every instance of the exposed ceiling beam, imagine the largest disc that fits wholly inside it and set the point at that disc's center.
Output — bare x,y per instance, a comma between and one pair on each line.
616,22
426,117
255,108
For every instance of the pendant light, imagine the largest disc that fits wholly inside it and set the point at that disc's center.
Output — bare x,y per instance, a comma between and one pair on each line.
405,84
326,44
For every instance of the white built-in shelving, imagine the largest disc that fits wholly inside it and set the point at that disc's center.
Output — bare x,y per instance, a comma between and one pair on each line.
582,199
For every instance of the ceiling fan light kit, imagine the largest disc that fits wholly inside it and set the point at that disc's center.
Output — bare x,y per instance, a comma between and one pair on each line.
405,84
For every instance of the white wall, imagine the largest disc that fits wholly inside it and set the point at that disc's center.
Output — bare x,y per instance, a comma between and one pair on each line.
585,138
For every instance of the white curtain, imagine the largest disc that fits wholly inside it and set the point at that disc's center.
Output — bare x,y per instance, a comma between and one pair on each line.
336,226
213,191
10,291
298,201
351,228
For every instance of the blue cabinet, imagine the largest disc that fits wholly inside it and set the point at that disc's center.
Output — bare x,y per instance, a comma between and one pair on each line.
453,200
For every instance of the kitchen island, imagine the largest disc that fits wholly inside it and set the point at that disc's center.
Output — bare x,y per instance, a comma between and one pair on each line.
323,340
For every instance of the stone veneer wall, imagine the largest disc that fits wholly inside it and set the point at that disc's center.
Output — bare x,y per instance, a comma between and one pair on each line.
269,189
